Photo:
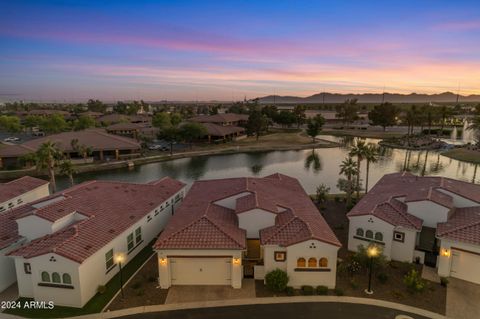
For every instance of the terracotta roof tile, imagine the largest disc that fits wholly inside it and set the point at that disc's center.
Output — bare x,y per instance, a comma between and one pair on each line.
463,226
18,187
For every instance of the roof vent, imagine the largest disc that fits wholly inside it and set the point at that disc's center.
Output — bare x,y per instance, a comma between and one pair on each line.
132,216
88,247
111,231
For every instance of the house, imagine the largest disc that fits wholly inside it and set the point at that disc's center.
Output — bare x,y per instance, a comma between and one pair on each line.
114,118
14,194
224,127
133,130
103,146
430,220
74,237
227,229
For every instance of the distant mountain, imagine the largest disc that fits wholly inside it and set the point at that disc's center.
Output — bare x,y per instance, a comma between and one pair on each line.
446,97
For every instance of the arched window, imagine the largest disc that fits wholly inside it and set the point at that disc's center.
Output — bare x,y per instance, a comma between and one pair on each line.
67,279
45,276
301,262
312,262
323,262
360,232
56,277
379,236
369,234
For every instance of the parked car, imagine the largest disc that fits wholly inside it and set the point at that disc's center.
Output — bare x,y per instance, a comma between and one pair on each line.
155,147
11,139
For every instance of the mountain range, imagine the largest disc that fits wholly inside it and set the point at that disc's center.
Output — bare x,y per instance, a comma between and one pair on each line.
325,97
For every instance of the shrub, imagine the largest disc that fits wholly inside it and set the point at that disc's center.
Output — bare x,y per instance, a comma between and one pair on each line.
322,290
413,281
290,291
140,292
444,281
353,284
382,277
276,280
339,292
307,290
136,285
354,267
152,279
337,199
322,192
101,289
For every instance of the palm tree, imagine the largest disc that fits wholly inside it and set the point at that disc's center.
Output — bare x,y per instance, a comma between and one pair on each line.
67,169
371,156
48,156
359,150
349,168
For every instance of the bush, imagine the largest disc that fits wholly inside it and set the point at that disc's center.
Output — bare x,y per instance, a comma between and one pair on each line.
307,290
152,279
354,267
353,284
101,289
382,277
136,285
414,282
290,291
337,199
322,290
444,281
276,280
339,292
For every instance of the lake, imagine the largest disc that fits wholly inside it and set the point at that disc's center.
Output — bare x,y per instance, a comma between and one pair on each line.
311,167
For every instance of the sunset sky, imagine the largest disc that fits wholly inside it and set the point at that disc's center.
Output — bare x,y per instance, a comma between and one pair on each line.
224,50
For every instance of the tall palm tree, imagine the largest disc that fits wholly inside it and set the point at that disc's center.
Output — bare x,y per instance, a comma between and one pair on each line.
359,150
371,156
48,155
67,169
348,167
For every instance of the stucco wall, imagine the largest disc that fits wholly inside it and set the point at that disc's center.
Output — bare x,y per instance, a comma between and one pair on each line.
7,267
230,202
459,201
430,212
404,251
32,227
27,197
445,262
254,220
269,258
368,222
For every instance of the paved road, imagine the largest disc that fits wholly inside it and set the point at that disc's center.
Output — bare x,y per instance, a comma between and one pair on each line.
310,310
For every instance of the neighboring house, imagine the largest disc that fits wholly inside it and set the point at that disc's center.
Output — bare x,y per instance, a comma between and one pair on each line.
13,194
104,146
75,235
224,127
133,130
230,228
114,118
431,220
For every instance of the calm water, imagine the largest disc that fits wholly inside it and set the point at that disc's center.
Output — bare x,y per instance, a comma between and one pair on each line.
311,167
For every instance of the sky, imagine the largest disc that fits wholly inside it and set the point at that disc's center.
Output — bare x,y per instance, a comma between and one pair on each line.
228,50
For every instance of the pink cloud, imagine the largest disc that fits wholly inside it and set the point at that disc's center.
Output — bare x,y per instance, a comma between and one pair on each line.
459,25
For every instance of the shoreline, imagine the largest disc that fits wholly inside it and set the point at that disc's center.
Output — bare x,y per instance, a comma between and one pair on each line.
463,155
231,149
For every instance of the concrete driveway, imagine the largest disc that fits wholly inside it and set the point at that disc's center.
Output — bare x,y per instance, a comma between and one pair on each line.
463,299
181,294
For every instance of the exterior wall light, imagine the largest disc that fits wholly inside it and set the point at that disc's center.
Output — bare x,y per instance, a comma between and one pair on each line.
236,261
163,261
445,252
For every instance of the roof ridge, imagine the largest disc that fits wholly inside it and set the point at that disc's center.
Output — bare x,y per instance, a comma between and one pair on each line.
278,228
471,224
211,220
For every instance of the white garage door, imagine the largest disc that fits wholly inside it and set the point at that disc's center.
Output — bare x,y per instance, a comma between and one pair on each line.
465,266
201,271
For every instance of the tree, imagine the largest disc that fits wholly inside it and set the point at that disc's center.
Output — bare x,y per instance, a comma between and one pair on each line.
444,113
271,112
67,169
347,111
322,192
162,120
171,135
10,123
383,115
257,122
96,106
53,124
83,122
299,112
120,107
285,118
82,149
411,119
47,157
32,121
314,126
359,150
429,116
192,131
371,156
349,169
176,118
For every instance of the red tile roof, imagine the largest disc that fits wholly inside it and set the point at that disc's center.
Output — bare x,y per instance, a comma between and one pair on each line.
18,187
220,118
463,226
412,188
219,130
109,209
188,227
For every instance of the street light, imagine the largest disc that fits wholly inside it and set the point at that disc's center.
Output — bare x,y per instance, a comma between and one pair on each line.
119,259
372,252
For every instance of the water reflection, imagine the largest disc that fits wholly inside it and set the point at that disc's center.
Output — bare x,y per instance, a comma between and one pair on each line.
311,167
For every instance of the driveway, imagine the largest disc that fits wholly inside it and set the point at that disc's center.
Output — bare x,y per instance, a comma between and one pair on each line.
181,294
463,299
310,310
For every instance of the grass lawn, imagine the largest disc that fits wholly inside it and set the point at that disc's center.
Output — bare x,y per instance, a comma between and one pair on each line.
463,154
97,303
362,133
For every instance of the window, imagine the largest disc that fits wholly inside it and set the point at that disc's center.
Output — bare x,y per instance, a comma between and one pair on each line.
280,255
138,235
19,201
323,262
149,218
130,243
67,279
399,236
312,262
27,267
378,236
369,234
109,259
56,278
2,208
45,276
301,262
10,205
156,212
360,232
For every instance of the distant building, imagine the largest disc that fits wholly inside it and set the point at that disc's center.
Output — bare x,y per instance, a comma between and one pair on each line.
14,194
74,237
114,118
225,127
133,130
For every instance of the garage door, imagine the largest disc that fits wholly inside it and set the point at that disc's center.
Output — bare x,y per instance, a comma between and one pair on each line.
201,271
465,266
